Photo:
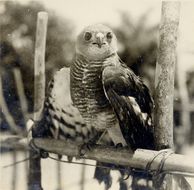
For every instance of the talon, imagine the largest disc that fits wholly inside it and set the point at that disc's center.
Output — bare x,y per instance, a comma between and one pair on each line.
40,152
127,174
85,147
119,145
126,178
82,152
44,154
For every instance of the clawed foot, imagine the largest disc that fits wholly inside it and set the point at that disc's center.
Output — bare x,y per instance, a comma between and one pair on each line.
125,173
119,145
85,147
40,152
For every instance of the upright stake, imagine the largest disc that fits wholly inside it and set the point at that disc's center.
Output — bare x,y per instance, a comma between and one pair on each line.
164,80
39,65
165,69
34,182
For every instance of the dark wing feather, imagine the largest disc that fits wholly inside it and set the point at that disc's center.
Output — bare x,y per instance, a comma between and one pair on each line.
132,103
61,119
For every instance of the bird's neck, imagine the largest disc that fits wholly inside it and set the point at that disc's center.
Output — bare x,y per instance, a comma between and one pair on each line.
83,57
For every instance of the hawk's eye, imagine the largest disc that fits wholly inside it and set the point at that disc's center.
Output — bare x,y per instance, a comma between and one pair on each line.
109,35
87,36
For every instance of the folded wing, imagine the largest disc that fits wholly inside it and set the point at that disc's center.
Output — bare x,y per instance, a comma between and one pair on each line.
132,103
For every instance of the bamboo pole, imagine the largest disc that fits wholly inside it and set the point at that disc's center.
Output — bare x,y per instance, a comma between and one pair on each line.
34,179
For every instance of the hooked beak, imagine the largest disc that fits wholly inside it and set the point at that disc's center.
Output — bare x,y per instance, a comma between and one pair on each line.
100,39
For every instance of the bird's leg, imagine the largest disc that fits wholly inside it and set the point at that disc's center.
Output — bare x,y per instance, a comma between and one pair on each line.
89,145
116,136
119,145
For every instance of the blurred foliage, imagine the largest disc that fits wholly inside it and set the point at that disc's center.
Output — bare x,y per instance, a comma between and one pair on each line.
138,45
18,27
190,85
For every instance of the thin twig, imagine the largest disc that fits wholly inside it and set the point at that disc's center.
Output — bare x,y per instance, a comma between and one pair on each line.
21,94
59,182
7,114
83,173
14,171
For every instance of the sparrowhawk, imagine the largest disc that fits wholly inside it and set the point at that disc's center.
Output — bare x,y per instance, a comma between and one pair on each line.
100,95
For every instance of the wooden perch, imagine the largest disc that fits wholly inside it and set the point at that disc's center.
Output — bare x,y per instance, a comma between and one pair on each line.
139,159
122,156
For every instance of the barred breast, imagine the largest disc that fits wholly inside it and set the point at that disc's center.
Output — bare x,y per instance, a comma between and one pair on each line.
88,95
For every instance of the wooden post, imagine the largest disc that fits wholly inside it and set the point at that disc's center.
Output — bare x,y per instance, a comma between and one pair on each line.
39,65
164,80
34,182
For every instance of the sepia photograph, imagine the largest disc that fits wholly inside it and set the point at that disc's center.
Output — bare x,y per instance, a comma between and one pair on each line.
96,95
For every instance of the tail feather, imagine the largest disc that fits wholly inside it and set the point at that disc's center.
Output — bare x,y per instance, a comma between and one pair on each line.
140,181
103,174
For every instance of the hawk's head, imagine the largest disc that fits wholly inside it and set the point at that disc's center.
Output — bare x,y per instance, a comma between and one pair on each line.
96,42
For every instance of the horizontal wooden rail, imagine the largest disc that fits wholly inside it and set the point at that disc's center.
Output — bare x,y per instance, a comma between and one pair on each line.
122,156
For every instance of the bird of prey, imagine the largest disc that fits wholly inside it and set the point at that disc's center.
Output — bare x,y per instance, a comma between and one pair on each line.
108,95
101,101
